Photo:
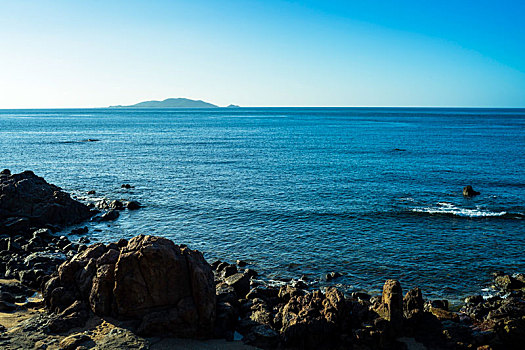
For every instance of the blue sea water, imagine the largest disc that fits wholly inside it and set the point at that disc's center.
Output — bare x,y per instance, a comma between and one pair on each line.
373,193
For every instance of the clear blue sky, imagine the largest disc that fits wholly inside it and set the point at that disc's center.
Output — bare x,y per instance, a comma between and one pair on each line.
262,53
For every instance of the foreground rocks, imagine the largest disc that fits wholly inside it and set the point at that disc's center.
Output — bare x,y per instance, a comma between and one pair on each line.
30,211
289,317
152,287
164,288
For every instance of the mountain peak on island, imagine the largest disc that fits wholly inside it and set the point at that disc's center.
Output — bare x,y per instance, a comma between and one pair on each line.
171,103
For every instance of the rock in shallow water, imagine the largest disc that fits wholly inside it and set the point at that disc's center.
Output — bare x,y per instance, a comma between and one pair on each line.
27,200
468,191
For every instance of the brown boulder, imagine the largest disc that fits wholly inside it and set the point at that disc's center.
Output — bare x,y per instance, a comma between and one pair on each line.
312,320
391,305
413,302
170,290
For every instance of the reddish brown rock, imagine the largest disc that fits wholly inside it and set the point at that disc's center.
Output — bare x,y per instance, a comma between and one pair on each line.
391,305
170,290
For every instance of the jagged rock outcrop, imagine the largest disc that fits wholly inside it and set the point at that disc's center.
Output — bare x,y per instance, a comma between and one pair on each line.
28,201
167,288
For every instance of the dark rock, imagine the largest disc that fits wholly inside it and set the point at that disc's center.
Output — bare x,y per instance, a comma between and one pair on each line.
474,299
12,245
221,266
6,306
240,283
226,320
31,278
361,295
116,205
312,321
80,231
264,293
90,192
332,275
468,191
251,273
287,292
299,284
83,240
75,315
263,337
507,283
413,302
133,205
228,271
127,186
27,200
438,304
110,215
241,263
43,233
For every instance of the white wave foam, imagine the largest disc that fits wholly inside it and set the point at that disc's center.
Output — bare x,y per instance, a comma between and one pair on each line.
451,209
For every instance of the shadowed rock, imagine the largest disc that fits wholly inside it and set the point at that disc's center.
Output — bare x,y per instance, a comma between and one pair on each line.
27,201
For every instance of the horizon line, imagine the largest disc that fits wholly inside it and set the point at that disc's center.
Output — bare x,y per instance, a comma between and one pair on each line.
246,107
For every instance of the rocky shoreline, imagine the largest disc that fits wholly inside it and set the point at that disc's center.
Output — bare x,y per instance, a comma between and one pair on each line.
142,293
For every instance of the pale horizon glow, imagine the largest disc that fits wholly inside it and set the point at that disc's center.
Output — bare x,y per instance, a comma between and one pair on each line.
71,54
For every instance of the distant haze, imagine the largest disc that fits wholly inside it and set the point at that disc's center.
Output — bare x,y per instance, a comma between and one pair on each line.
263,53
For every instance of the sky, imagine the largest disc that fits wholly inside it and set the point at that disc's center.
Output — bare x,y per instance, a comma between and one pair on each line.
97,53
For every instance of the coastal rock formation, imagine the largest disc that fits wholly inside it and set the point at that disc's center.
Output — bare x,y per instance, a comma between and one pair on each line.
468,191
28,201
167,288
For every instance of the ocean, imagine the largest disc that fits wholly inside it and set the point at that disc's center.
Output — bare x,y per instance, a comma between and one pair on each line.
372,193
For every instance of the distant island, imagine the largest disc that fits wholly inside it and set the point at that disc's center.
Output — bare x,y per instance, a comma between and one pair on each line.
173,103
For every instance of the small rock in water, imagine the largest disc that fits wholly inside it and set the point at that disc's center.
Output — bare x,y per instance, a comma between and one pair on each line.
110,215
468,191
79,231
91,192
116,204
241,263
90,140
133,205
332,275
127,186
